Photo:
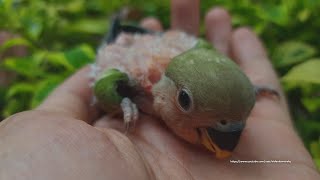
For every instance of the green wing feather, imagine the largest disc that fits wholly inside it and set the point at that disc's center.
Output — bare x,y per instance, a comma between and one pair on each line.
106,88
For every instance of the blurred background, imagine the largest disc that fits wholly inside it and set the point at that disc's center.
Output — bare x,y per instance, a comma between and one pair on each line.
44,41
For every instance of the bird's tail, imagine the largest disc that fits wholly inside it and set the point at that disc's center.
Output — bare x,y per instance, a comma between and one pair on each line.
116,27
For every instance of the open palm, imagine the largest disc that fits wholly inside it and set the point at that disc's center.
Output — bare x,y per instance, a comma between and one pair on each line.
62,146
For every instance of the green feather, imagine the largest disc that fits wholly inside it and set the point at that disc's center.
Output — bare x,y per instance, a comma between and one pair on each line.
203,44
105,88
217,84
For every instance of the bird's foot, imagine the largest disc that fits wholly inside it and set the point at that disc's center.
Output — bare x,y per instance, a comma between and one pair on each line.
130,113
266,91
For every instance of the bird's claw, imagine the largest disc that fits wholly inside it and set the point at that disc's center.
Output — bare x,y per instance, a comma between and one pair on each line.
130,113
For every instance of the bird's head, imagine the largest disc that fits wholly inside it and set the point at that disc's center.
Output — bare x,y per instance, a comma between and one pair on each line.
205,98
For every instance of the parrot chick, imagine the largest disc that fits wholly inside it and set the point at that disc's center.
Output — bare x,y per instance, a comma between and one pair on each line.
203,96
200,94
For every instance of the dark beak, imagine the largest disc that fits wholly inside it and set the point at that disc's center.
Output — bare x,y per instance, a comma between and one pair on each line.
221,142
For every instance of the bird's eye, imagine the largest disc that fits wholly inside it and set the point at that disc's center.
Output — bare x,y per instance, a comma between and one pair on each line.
184,100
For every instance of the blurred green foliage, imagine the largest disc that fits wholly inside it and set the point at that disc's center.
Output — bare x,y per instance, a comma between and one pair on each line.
61,36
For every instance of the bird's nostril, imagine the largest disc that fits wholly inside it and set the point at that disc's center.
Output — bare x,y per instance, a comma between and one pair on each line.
223,122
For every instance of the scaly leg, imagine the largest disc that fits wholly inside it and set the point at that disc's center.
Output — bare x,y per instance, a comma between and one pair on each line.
130,112
113,93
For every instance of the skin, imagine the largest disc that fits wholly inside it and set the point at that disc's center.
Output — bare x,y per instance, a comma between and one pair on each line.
57,140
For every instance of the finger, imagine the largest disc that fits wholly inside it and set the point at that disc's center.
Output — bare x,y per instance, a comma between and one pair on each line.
218,29
269,114
151,23
72,98
249,53
185,15
110,122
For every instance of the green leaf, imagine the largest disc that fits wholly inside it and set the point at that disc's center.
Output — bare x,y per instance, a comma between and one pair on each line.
307,72
315,152
317,162
315,149
24,66
73,6
311,103
303,15
308,129
6,4
14,42
58,58
89,26
274,13
80,56
292,52
20,88
33,25
14,105
2,100
44,88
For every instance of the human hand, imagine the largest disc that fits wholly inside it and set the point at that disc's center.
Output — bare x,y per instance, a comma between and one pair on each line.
64,138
